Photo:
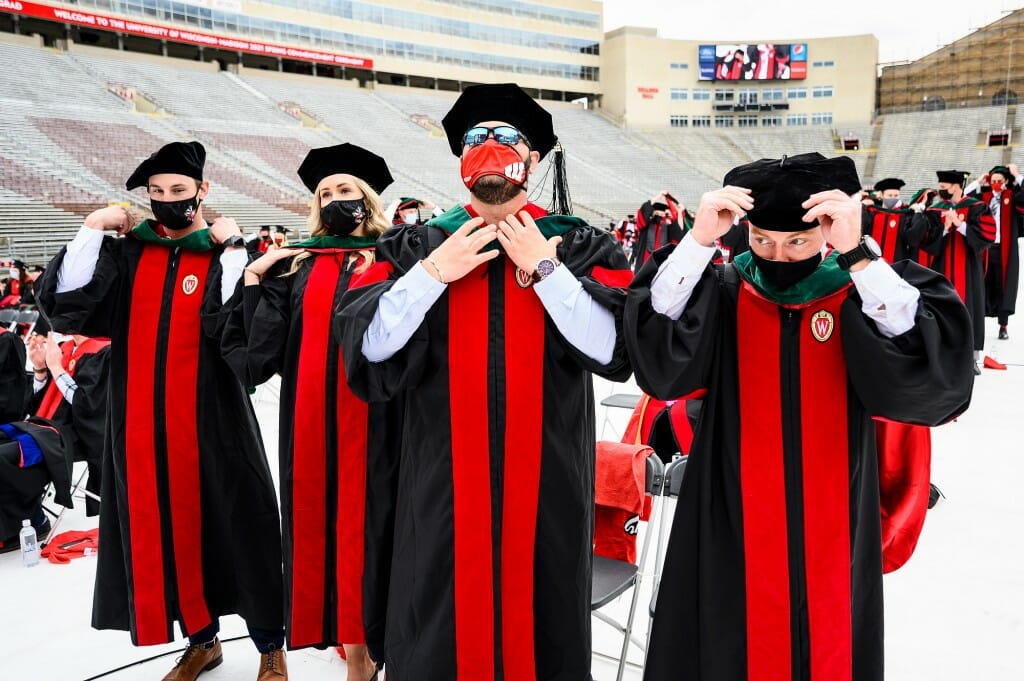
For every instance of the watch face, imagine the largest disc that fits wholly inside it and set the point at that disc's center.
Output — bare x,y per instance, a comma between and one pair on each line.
545,267
872,246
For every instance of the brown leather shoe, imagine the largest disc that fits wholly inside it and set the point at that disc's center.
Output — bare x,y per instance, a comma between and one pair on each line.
195,661
273,667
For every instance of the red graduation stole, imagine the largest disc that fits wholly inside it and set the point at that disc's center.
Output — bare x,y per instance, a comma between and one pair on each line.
70,354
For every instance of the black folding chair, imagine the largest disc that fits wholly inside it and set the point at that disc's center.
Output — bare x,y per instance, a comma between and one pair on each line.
674,473
611,578
7,317
28,320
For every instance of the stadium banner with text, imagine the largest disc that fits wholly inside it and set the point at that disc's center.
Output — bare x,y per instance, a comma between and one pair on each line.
764,61
107,23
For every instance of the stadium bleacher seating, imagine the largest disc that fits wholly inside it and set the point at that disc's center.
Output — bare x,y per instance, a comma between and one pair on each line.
67,142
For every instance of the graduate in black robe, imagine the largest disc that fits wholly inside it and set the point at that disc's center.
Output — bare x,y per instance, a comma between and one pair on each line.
338,456
659,222
961,231
896,228
494,519
189,526
78,369
1002,191
774,566
26,467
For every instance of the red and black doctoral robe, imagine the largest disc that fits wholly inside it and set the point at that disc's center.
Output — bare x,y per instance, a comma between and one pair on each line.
960,257
189,526
904,450
83,423
338,456
773,571
899,232
653,233
495,507
1003,273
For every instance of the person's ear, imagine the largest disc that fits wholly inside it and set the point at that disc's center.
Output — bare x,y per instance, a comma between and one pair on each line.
534,161
204,189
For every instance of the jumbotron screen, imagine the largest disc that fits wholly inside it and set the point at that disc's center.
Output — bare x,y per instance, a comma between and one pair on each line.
764,61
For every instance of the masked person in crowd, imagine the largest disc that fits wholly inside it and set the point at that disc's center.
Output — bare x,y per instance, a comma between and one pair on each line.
961,229
411,211
188,521
774,566
488,322
659,222
69,388
337,454
1001,190
896,228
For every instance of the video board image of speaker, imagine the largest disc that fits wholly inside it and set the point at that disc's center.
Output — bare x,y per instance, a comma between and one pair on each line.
764,61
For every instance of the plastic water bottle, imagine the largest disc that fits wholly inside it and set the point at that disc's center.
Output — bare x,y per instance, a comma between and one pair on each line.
29,544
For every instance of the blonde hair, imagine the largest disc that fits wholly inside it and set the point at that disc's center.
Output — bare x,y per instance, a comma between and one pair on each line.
373,225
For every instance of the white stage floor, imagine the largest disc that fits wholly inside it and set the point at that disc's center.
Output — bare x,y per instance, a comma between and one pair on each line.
955,611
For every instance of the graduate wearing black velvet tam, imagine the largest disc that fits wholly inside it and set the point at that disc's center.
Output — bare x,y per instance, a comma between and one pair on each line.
348,159
780,186
178,158
503,102
479,271
337,455
889,183
781,533
952,176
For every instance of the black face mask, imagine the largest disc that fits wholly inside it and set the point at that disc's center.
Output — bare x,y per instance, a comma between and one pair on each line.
781,274
175,215
342,217
945,194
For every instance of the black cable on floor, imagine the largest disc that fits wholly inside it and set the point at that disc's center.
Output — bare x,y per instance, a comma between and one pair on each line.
155,657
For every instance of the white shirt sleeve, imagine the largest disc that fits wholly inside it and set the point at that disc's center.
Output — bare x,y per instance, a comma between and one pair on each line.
80,259
37,385
678,276
586,324
887,299
231,264
400,312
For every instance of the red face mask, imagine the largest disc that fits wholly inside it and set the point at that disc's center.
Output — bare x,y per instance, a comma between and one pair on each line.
997,187
492,158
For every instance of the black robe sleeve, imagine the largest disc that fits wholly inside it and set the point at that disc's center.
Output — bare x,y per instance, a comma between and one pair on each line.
89,407
92,309
924,376
257,328
589,253
673,358
15,384
976,238
934,232
398,250
915,228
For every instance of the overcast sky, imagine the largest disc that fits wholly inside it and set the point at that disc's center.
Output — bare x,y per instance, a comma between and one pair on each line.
905,30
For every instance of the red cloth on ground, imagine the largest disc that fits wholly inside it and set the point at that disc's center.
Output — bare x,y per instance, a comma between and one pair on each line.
904,476
620,483
79,541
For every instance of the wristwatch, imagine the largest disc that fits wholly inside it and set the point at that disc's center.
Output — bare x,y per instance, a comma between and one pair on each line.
544,269
235,241
867,249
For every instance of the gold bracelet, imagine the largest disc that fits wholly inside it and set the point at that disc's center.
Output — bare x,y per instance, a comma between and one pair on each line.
440,277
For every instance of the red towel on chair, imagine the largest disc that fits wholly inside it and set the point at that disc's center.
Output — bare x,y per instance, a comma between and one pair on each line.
620,483
904,475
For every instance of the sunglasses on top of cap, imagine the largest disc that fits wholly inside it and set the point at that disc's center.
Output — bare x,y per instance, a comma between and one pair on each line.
503,134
